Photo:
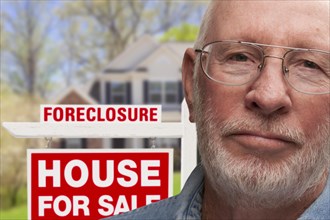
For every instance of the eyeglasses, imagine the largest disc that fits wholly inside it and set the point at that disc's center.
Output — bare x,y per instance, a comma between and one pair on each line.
237,63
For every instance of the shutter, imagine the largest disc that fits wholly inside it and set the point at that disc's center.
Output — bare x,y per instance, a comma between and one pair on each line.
146,92
95,92
128,93
146,143
180,92
108,93
63,143
118,143
83,143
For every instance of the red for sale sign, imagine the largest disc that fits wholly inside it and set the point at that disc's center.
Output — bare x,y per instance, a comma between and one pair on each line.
92,184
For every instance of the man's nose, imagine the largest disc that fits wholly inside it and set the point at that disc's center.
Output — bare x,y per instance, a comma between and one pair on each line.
268,94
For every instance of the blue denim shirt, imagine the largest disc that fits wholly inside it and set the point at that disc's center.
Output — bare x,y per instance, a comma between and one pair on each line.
188,204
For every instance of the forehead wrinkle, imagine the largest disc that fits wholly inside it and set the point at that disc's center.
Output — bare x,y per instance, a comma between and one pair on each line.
316,34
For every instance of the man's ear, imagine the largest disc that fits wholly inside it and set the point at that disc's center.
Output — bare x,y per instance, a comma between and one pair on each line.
188,80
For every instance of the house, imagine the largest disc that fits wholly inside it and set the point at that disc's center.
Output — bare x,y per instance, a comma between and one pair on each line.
146,72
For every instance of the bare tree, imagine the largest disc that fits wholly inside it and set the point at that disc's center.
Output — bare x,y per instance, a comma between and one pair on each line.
25,33
103,28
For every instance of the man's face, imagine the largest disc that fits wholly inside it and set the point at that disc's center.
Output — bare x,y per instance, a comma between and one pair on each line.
263,141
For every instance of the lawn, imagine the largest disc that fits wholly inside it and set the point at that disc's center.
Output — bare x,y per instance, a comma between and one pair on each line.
176,183
17,213
20,212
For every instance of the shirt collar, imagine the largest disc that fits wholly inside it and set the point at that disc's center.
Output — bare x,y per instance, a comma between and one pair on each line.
193,192
320,208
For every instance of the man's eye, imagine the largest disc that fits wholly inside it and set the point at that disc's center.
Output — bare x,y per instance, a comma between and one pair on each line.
310,64
239,57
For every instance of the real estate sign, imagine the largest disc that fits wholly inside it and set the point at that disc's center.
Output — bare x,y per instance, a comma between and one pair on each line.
86,183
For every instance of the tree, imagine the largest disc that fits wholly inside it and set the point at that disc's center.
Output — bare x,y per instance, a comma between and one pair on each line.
183,33
25,34
27,64
101,29
13,150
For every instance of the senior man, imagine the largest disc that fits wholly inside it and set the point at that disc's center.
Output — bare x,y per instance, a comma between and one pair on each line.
257,85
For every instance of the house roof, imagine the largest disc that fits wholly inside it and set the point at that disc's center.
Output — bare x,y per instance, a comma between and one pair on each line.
74,90
179,48
141,50
162,50
132,55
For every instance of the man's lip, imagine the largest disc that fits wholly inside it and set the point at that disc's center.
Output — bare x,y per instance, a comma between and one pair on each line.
262,141
266,135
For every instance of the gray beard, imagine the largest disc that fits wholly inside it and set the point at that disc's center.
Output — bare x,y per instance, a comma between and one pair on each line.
253,181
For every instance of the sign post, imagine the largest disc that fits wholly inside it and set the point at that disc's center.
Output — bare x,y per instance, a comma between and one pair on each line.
102,182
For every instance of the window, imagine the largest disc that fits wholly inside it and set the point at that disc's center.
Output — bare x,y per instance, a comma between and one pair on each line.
166,142
162,142
118,93
118,143
73,143
171,93
164,93
155,92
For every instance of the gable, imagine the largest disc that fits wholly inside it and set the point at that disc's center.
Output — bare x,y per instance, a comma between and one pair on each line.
163,63
74,96
132,55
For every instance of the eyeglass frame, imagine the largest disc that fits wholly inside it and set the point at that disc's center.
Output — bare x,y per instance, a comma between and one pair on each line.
259,46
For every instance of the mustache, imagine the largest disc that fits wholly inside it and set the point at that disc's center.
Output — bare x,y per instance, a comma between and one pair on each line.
258,125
